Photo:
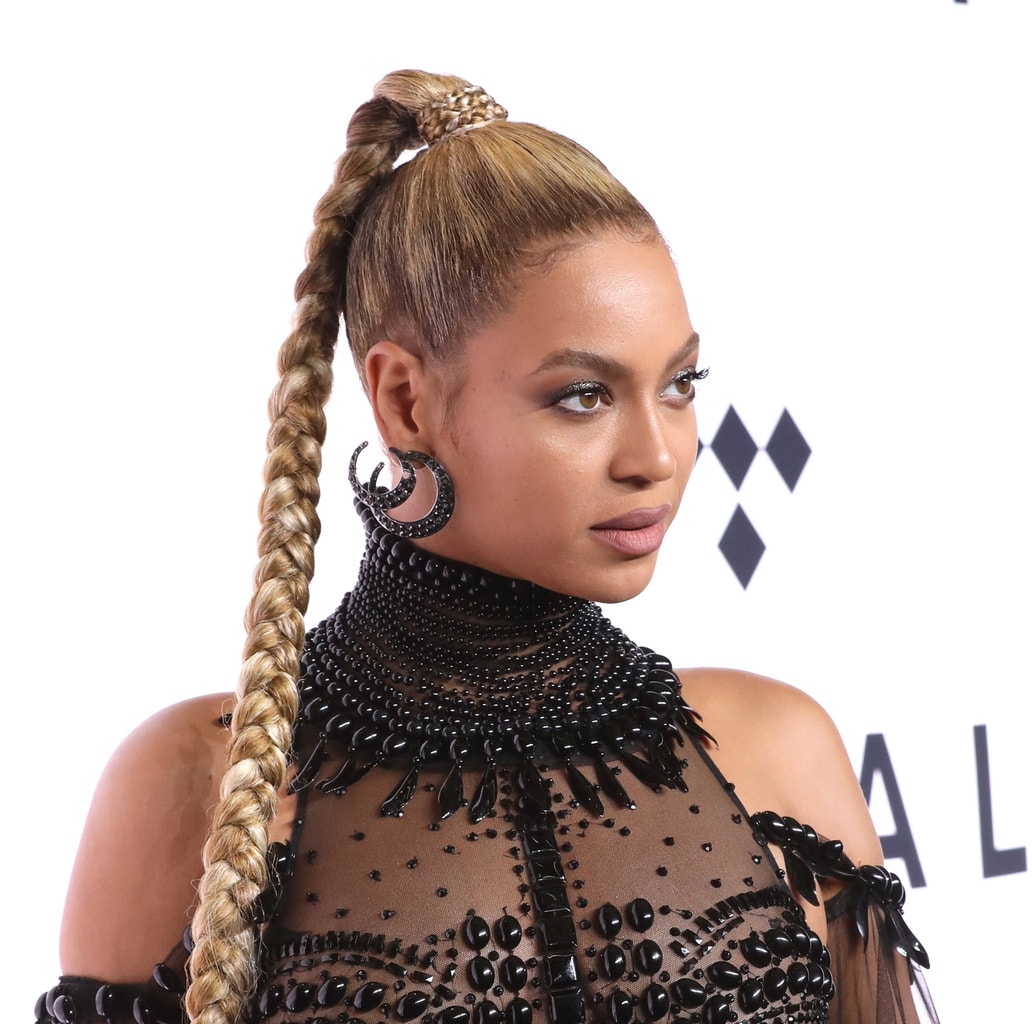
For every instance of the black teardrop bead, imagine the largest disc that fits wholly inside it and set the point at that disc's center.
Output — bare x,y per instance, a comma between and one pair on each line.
611,785
481,973
689,993
610,920
621,1007
485,796
533,785
755,950
519,1011
717,1010
750,995
300,997
640,914
800,939
816,977
584,791
485,1012
798,978
412,1004
513,972
369,996
648,956
65,1011
775,983
394,805
452,1015
332,991
347,775
450,795
644,772
478,934
614,963
142,1012
657,1002
106,1002
306,776
725,975
508,931
270,1000
779,942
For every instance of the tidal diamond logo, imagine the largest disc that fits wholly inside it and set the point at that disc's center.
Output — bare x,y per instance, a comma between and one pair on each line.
736,450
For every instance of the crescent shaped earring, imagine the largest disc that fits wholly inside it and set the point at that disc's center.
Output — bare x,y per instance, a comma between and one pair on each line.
380,499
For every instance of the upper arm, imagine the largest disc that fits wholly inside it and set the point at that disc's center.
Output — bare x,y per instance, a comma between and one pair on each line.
825,791
784,754
134,880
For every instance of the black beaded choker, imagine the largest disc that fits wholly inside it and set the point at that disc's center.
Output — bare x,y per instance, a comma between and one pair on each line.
428,660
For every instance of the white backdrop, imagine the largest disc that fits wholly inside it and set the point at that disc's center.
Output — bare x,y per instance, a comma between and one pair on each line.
846,189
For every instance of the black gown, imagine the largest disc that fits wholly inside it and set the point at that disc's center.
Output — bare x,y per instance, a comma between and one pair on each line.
507,815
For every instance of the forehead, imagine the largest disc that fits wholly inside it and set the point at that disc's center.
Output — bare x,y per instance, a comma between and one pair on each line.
619,297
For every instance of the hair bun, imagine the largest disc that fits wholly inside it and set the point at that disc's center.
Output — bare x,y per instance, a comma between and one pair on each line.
457,112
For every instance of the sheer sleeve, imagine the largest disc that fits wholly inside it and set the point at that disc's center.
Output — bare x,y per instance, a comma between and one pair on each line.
875,957
872,981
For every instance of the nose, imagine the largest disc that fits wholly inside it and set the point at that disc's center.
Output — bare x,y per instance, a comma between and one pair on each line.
646,448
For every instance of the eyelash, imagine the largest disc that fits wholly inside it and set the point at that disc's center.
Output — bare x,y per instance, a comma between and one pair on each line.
586,388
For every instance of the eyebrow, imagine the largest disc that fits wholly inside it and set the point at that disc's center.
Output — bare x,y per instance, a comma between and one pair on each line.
603,365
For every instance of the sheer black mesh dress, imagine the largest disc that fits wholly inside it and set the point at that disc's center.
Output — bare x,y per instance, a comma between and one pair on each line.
507,815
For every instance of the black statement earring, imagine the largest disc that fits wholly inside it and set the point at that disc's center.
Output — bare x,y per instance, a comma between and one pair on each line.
379,499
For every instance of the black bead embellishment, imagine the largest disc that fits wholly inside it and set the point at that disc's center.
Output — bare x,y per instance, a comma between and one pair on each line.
808,855
369,996
610,920
379,500
519,1011
548,736
412,1004
544,677
614,962
508,931
557,931
640,914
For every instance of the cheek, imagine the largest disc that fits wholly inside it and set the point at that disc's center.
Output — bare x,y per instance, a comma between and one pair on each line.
522,476
686,444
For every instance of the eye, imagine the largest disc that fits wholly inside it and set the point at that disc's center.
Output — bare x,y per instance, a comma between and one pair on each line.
585,400
683,383
581,397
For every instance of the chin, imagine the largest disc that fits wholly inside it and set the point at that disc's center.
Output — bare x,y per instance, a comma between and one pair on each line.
612,585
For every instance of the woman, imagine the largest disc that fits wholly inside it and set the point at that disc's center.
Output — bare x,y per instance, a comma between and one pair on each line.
494,806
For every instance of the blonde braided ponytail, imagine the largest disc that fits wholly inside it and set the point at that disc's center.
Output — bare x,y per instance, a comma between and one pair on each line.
422,252
223,961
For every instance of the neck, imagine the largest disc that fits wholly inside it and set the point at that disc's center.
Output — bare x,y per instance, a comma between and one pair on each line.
430,659
445,626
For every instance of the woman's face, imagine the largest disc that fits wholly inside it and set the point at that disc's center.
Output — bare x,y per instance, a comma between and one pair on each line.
572,434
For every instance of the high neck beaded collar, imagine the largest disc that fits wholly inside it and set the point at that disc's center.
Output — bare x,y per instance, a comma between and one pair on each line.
431,660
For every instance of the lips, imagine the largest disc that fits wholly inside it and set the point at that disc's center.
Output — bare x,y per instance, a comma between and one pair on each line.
635,533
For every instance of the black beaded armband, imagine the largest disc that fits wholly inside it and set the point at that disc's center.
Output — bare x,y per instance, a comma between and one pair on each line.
808,856
89,1001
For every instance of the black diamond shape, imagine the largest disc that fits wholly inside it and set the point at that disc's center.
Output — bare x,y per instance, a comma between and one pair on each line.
788,450
734,447
741,546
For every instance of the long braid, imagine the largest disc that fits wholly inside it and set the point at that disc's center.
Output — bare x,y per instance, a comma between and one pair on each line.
223,963
432,245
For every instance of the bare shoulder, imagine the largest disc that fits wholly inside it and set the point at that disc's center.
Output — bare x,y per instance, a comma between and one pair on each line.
744,706
133,883
783,753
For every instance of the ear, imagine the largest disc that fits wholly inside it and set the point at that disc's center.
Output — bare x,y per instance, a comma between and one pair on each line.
398,393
